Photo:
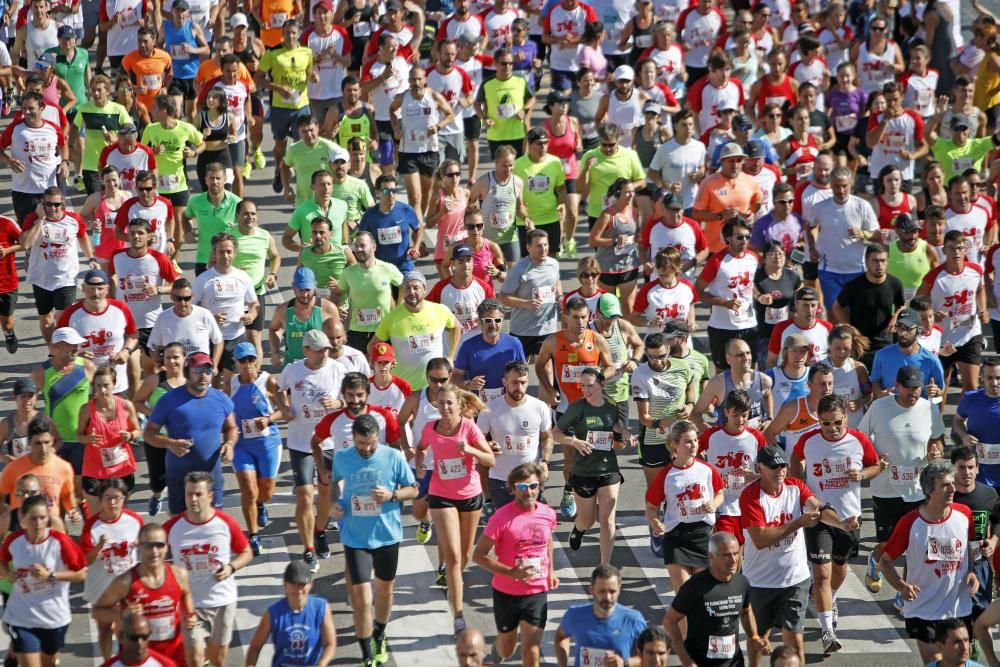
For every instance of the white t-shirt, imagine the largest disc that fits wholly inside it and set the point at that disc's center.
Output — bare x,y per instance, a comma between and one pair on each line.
731,277
677,162
973,224
733,456
900,436
307,388
827,466
354,361
34,602
39,150
133,274
197,332
839,253
955,296
516,429
54,259
104,333
230,294
119,554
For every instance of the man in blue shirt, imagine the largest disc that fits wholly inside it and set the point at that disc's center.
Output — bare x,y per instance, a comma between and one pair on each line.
906,352
376,480
194,416
391,223
480,361
602,627
976,422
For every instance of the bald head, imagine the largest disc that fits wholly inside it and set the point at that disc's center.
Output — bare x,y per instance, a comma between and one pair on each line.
133,635
470,648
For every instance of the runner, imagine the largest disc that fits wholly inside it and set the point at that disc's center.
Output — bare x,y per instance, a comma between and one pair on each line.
36,152
131,649
798,416
152,207
500,193
212,212
369,284
306,312
739,374
192,326
790,375
101,119
462,292
980,499
55,476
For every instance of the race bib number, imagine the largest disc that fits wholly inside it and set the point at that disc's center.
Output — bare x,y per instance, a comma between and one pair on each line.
961,164
624,244
313,413
129,16
600,440
506,111
364,506
151,82
112,456
534,565
161,628
944,548
449,469
169,182
251,428
54,234
278,19
19,447
390,235
489,394
904,476
596,657
845,123
736,479
721,648
177,52
501,219
775,315
895,142
643,41
368,315
571,374
362,29
421,341
135,288
988,453
516,444
544,294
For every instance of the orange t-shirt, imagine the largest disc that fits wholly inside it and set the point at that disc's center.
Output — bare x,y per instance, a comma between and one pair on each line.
717,193
148,73
210,69
55,476
274,14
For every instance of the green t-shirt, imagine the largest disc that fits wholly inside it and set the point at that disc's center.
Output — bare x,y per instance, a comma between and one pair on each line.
370,293
624,163
417,338
504,99
580,419
212,220
356,194
326,265
289,68
73,72
540,182
92,117
251,255
303,215
171,176
306,161
700,370
955,160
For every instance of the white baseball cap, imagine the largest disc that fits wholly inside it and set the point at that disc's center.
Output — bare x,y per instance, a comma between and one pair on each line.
239,19
68,335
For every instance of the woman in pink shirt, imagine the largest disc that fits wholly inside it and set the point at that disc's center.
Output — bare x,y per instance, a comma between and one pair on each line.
591,56
456,493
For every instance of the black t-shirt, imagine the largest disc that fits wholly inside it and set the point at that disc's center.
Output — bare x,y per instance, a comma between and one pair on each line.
872,306
712,608
982,501
785,287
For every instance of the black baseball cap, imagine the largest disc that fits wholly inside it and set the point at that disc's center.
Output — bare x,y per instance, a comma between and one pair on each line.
909,377
772,456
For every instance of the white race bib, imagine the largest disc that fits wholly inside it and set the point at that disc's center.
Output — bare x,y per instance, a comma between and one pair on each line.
489,394
600,440
362,28
151,82
278,19
988,453
775,315
364,506
624,244
595,657
112,456
516,444
721,648
169,181
845,123
251,429
161,628
532,564
944,548
19,447
390,235
177,52
544,294
368,315
313,413
571,374
421,341
904,476
448,469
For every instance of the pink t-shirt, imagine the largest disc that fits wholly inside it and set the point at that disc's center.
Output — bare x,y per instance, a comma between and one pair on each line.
455,475
594,60
522,538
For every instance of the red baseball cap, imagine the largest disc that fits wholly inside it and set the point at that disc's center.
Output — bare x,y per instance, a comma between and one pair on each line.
197,359
383,352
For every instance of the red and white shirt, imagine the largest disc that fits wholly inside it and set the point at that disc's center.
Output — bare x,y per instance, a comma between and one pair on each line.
919,91
335,428
158,215
766,178
141,158
10,235
591,301
52,113
39,149
498,28
686,237
875,69
827,465
391,396
153,659
237,93
474,68
706,99
119,554
331,74
454,85
807,195
835,55
34,602
974,224
561,22
403,38
453,27
932,341
937,559
698,32
203,548
901,134
662,304
104,332
668,61
992,263
783,564
733,456
463,301
731,277
54,260
383,95
133,274
955,296
685,493
817,336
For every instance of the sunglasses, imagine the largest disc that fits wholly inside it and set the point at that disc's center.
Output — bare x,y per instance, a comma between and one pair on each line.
831,422
479,226
182,299
148,188
144,636
203,370
589,275
438,380
525,486
26,494
492,320
388,191
775,467
52,204
454,174
878,28
153,545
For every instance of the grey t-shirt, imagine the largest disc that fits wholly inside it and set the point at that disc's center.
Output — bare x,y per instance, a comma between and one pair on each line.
528,280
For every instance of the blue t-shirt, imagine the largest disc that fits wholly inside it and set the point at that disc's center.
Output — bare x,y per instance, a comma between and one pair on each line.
195,418
617,633
184,68
366,524
770,155
786,389
392,233
890,359
982,414
249,403
477,357
297,637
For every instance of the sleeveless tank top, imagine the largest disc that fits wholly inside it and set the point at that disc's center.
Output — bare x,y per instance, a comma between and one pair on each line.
874,70
16,443
570,360
846,384
799,154
416,115
498,209
642,39
51,92
481,260
646,148
217,132
114,458
250,401
353,126
451,225
784,387
626,114
909,267
756,392
64,396
295,330
37,41
109,245
564,147
775,93
426,412
297,635
888,212
623,255
616,387
803,421
161,607
185,65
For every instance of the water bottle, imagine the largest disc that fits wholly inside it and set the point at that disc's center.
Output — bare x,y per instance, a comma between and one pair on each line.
95,234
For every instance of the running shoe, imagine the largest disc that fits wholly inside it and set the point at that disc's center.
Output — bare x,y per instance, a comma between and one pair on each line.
262,518
459,625
381,650
424,531
276,182
873,578
311,560
258,159
322,548
11,340
247,170
367,662
656,544
568,250
440,578
489,509
575,539
255,545
155,505
897,604
568,504
830,643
